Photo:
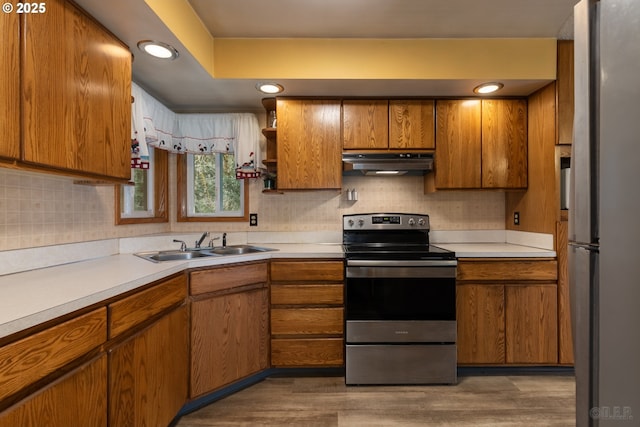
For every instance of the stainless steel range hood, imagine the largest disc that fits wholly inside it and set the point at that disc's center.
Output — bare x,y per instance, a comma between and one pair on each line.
387,164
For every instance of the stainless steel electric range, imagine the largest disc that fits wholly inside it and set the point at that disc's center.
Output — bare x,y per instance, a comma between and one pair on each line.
400,302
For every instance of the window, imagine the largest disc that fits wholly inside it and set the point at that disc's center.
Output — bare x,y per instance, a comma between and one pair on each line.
136,201
209,190
145,198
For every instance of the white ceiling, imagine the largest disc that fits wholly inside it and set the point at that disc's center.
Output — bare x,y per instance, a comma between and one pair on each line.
184,85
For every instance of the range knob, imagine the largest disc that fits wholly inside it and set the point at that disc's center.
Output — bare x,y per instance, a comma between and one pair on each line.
361,222
350,222
421,222
411,222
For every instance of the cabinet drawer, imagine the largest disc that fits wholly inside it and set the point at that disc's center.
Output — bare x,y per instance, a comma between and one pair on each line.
307,352
30,359
137,308
306,321
508,269
320,294
296,271
222,278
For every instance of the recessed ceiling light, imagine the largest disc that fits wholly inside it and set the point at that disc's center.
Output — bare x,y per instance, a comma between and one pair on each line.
485,88
269,88
158,49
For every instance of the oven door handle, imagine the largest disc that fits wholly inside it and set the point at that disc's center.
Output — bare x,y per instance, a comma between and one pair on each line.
412,263
445,270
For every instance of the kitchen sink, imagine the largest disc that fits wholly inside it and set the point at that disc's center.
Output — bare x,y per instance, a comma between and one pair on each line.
177,255
238,250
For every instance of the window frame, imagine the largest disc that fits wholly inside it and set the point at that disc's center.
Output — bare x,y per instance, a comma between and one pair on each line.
160,171
183,198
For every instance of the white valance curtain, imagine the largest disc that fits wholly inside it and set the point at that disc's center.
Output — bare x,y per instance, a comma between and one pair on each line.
156,125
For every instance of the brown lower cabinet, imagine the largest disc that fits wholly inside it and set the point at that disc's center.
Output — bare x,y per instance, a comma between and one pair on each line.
307,313
148,368
75,400
137,359
480,315
148,374
229,325
507,312
124,363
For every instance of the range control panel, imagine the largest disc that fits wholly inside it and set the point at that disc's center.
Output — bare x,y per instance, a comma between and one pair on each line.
394,219
385,222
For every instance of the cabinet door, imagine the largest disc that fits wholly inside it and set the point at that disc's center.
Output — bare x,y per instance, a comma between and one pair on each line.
309,144
565,91
78,399
411,125
565,335
458,135
365,125
76,96
504,143
481,324
148,374
9,87
531,323
229,339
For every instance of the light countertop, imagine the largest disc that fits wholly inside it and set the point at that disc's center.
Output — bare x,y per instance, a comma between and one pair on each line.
496,250
33,297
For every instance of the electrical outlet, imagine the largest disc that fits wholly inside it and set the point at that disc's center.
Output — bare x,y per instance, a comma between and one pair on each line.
516,218
253,219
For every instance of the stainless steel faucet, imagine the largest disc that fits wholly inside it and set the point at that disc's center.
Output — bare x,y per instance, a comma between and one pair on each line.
212,240
204,236
183,245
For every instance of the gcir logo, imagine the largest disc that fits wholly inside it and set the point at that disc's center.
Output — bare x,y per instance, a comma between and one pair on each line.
618,413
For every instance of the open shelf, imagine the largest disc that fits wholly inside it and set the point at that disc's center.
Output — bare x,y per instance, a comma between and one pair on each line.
269,132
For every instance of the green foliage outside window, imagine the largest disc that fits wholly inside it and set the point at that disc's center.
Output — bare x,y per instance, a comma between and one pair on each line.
206,188
140,189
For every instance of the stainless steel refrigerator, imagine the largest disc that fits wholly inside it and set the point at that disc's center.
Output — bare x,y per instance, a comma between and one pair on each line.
604,214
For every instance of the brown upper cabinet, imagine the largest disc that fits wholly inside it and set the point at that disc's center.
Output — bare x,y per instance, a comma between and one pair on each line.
388,125
309,150
76,95
411,125
9,87
504,143
481,144
459,133
564,88
365,125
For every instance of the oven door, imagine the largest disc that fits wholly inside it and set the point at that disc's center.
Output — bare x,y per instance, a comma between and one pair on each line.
400,290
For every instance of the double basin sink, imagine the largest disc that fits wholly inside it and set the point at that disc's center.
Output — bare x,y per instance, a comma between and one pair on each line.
177,255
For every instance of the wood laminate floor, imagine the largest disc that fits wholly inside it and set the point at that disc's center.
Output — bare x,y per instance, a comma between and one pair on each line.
496,401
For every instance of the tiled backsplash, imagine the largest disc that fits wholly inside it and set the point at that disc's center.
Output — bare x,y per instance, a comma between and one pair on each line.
39,209
306,211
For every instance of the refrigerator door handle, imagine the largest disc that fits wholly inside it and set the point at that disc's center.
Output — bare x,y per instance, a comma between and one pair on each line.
586,246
